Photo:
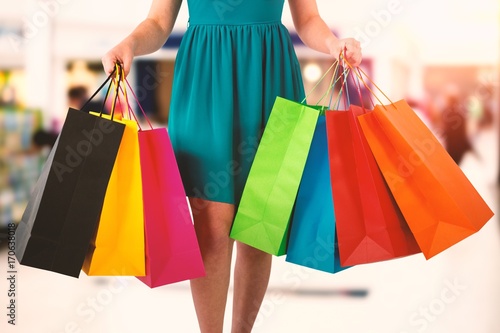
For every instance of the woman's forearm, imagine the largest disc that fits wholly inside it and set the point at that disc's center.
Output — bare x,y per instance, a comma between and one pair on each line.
316,35
152,33
148,37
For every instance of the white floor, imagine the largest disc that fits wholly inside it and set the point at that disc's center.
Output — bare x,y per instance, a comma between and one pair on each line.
457,291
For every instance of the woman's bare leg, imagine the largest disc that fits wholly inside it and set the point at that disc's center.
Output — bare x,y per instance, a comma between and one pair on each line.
212,222
251,277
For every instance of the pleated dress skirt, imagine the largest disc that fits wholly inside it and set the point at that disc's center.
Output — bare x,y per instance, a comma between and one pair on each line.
235,58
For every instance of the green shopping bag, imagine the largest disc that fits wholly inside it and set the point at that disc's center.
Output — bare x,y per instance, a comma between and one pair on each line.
263,215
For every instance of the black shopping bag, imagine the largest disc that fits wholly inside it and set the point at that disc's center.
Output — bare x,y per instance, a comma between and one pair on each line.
61,216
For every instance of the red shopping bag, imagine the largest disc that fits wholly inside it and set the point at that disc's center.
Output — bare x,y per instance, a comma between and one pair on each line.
370,227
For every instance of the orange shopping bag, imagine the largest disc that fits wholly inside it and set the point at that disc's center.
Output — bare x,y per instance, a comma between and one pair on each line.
439,203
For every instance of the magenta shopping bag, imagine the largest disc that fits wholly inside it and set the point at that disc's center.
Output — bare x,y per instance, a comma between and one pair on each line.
172,250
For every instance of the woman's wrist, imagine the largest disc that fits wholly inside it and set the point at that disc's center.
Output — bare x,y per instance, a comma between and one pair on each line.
333,46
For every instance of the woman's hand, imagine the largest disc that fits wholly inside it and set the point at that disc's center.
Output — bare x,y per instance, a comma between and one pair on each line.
350,48
122,54
316,34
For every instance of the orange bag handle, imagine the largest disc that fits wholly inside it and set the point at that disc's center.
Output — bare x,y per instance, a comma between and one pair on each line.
359,74
331,85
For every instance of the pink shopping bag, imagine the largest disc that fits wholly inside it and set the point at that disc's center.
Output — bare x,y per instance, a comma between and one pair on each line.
172,250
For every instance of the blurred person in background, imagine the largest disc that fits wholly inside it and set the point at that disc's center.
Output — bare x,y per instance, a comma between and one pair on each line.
235,58
454,121
78,98
43,139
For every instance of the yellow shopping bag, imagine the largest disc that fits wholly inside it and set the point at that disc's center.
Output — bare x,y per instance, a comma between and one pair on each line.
118,246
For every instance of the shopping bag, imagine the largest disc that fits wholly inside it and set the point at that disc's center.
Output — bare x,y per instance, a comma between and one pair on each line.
117,247
439,203
172,250
172,253
262,218
313,241
370,226
62,212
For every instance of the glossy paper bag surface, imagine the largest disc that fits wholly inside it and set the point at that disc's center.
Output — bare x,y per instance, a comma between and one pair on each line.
60,218
118,245
313,241
263,215
369,224
172,250
439,203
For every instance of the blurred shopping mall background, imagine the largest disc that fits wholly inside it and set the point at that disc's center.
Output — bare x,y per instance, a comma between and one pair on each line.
441,56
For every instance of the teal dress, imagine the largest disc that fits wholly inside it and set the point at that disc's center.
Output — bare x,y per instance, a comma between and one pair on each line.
235,58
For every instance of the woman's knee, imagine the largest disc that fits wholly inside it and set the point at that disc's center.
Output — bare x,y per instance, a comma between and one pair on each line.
248,251
213,224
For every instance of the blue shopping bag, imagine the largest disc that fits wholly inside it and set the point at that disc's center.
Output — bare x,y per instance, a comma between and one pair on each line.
313,241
